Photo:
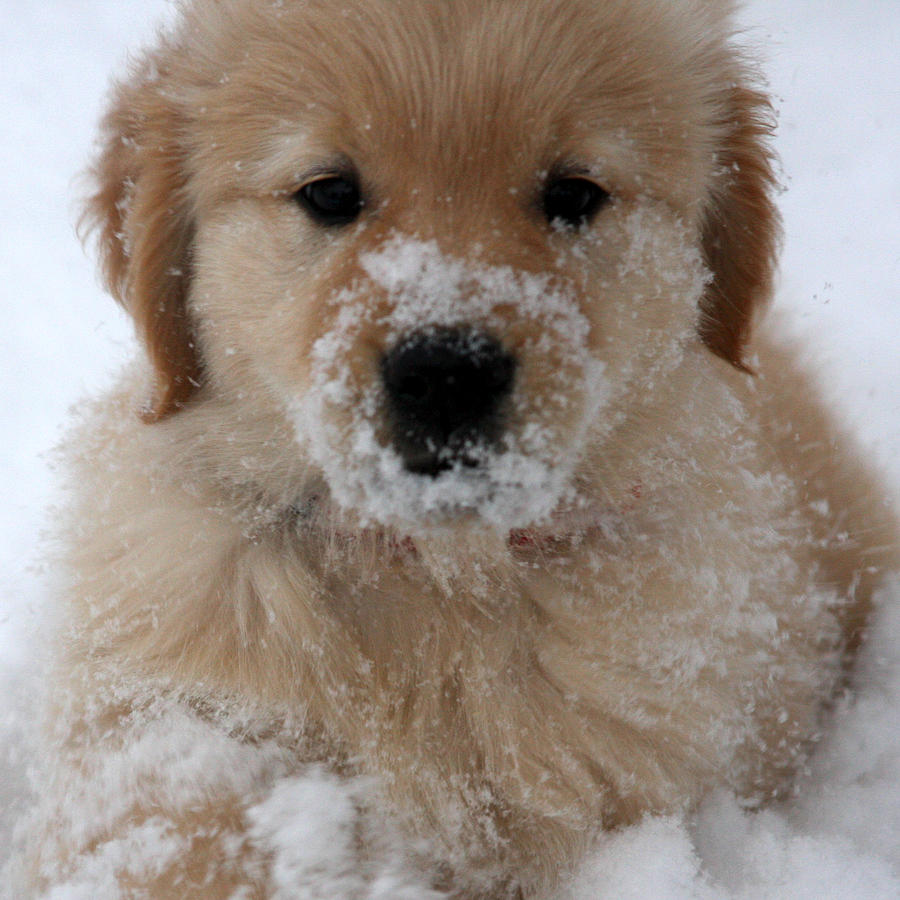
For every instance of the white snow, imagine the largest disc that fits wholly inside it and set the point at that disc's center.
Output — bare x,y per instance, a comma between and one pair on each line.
835,69
318,850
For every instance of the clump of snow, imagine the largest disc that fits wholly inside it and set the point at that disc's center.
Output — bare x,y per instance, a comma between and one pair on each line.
310,824
313,852
753,857
655,859
519,482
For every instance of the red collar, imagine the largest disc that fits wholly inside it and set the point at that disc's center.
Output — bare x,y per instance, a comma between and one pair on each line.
562,531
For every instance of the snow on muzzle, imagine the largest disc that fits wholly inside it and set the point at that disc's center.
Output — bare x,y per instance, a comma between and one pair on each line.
445,391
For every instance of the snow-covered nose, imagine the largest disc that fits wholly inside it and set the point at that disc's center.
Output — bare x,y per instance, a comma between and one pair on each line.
445,389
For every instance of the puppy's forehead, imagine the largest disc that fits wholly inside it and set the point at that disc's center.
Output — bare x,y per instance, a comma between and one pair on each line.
453,84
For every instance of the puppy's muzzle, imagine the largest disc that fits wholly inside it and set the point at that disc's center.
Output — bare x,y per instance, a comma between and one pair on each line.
445,390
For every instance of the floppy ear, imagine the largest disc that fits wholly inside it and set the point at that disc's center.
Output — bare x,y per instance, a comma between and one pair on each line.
141,213
741,230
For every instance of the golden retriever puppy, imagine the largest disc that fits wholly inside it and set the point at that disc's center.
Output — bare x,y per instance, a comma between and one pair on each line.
461,508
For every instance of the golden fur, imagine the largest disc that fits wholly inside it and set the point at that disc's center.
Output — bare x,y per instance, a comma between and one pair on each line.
680,616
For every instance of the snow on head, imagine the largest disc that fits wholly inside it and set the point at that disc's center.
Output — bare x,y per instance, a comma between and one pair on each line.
411,288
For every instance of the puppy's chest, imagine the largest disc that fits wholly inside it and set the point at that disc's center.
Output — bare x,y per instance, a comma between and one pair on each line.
554,674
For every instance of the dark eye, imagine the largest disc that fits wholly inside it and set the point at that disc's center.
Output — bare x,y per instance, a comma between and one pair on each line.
331,201
573,201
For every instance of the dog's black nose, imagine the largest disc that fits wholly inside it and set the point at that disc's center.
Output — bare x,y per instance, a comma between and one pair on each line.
445,389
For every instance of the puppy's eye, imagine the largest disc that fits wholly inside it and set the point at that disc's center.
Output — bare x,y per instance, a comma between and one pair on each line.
331,201
573,201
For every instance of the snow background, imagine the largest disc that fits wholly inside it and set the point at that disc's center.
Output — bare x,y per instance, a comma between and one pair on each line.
835,73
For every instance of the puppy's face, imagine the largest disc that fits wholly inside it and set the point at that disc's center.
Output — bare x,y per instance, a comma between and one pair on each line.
450,244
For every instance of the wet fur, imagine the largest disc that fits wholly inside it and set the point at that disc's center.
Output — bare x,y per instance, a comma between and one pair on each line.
679,628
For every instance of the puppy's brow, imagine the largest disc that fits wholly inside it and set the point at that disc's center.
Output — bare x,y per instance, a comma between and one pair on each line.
567,168
338,165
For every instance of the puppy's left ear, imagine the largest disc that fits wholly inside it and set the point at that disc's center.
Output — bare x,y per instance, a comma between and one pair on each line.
142,216
741,229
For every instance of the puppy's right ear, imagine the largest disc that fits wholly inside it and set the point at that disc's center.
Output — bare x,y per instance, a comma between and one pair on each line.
142,216
741,230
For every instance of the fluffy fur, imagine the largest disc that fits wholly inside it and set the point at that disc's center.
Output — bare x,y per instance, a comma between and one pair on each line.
654,585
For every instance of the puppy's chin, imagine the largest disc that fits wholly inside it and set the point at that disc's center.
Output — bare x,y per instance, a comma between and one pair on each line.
503,489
